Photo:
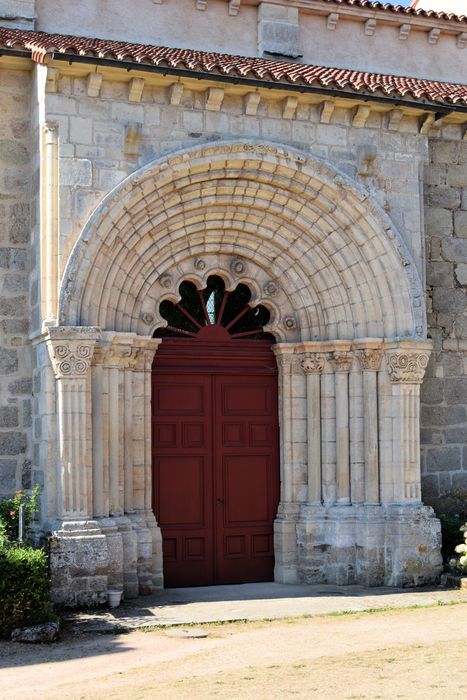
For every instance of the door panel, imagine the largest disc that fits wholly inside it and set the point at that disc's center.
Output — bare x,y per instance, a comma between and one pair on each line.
182,459
245,477
216,473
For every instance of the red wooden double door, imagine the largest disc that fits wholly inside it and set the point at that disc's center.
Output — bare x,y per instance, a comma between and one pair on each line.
215,458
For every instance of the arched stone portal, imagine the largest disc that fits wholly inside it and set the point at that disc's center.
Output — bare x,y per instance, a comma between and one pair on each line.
346,307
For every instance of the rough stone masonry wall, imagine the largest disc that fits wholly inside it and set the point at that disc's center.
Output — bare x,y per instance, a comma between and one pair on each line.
444,391
15,374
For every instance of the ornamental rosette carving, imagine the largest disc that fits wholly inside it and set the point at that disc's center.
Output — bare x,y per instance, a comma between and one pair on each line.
370,358
313,363
71,359
406,367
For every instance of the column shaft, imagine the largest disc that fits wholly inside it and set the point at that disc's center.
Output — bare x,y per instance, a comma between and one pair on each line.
342,438
313,386
370,402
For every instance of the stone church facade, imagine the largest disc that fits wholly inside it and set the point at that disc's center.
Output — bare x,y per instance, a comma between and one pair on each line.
312,152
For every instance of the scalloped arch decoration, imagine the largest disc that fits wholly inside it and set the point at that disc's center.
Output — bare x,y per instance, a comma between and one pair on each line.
292,224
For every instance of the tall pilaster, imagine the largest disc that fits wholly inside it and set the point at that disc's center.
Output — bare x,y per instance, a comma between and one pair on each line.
406,364
71,349
50,223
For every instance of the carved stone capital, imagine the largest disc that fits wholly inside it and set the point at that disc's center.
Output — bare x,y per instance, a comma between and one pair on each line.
313,363
370,358
342,360
121,356
71,350
144,351
406,366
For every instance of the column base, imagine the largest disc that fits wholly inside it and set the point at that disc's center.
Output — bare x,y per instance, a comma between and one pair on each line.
89,557
368,545
149,559
285,544
79,565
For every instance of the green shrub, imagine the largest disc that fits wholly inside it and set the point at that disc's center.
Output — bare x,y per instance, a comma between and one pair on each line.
24,588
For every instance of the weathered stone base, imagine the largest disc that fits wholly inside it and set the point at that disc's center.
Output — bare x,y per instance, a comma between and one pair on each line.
88,557
79,563
366,545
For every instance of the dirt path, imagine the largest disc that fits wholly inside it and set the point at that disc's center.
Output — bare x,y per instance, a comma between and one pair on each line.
415,653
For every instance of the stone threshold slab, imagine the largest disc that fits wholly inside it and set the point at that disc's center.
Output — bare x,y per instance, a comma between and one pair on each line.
257,601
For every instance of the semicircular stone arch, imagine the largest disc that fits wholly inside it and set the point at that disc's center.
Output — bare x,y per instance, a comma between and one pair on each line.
315,249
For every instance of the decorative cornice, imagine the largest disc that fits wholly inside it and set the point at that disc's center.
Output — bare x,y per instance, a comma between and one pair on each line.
406,367
41,47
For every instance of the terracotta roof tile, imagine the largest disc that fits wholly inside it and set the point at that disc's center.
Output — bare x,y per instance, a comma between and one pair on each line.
399,10
42,45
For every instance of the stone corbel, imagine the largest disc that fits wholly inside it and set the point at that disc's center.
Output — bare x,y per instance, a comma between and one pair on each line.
234,7
331,21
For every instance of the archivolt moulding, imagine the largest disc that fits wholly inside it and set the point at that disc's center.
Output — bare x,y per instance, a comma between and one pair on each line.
341,264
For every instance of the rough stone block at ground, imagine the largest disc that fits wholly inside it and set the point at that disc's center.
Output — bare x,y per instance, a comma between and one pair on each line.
454,250
443,459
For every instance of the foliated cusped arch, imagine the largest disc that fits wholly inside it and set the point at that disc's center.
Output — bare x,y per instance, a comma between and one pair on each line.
311,245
